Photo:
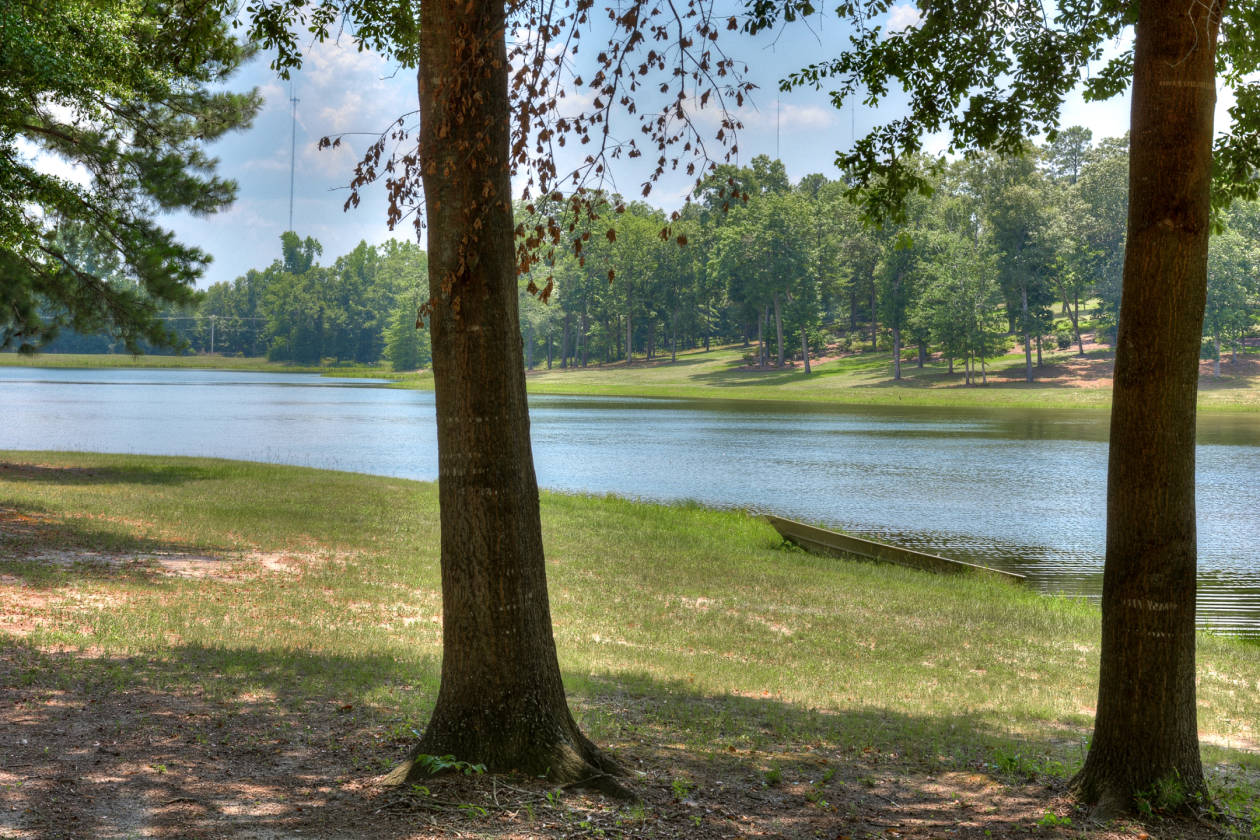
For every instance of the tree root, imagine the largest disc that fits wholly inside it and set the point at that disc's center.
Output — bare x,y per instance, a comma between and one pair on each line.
571,765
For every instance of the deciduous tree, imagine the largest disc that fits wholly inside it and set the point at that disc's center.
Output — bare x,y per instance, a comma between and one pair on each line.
485,113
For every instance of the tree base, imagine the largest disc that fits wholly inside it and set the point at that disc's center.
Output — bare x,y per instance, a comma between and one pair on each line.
572,762
1110,798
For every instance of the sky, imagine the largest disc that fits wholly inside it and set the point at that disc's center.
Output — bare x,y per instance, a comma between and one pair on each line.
343,90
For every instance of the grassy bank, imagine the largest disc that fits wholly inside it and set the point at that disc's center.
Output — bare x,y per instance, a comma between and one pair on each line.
1064,381
255,364
292,601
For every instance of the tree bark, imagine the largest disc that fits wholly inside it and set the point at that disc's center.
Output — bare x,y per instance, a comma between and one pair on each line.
805,350
1145,732
501,701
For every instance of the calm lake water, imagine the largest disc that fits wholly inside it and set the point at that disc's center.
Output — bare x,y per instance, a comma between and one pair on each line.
1019,489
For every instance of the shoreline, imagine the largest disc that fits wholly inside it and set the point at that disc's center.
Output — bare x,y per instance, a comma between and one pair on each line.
1067,381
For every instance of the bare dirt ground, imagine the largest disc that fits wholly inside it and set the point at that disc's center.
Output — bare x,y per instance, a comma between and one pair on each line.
125,763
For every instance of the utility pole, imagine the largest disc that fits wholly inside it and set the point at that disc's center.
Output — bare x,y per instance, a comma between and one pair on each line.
212,320
292,151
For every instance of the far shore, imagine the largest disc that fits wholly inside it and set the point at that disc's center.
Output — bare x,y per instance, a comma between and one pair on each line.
1064,380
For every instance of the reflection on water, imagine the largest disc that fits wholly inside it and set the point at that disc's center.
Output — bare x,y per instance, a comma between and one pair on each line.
1019,489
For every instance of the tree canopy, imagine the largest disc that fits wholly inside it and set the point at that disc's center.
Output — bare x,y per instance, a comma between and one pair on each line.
105,109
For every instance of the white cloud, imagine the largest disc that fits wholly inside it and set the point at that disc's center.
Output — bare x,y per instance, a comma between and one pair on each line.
53,164
805,117
901,17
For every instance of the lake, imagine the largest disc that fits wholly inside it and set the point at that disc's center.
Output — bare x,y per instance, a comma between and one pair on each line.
1019,489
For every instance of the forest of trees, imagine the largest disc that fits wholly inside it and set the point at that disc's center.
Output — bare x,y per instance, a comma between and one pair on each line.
1001,251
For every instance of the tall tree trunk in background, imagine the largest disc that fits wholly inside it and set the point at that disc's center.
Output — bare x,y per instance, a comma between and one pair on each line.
1028,374
673,338
761,338
565,334
1076,325
584,336
1039,351
874,322
1145,731
896,336
805,349
922,353
501,701
778,325
629,336
529,347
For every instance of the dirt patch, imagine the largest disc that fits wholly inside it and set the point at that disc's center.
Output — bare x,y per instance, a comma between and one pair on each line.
184,564
89,761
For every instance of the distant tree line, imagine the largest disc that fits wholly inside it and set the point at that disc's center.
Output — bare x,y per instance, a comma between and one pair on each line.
360,309
1000,249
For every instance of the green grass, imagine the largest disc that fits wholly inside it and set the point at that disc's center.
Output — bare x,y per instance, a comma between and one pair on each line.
859,379
688,625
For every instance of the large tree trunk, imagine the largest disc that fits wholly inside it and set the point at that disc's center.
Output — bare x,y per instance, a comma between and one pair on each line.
501,701
1145,732
805,350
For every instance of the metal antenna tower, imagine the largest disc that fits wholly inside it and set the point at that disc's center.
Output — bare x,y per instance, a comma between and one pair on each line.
292,151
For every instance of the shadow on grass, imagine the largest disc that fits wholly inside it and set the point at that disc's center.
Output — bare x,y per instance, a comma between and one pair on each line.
44,549
196,742
739,376
152,474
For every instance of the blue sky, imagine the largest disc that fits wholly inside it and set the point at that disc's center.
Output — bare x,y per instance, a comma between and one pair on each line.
343,90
